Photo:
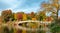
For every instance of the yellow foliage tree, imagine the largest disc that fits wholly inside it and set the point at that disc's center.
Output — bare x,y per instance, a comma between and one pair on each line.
52,6
24,17
15,16
33,18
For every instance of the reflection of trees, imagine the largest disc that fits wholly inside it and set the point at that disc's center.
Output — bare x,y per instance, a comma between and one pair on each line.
7,30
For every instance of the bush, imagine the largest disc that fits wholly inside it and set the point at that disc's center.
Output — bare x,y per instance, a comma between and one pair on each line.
55,27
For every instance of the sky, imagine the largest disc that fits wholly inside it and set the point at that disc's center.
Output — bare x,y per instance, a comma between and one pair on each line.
26,6
21,5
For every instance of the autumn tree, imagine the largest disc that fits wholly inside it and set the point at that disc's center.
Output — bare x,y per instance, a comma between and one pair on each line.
24,16
52,6
32,14
19,16
41,15
56,25
13,18
6,15
29,17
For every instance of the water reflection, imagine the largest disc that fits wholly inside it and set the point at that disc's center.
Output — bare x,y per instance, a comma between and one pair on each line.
11,29
5,29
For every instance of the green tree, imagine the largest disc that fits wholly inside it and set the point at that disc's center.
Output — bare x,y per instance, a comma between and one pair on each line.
29,17
55,27
41,15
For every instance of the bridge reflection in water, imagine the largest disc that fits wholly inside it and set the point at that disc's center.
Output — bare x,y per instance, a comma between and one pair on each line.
25,27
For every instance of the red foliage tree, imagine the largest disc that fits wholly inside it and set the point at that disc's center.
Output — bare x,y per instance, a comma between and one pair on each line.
19,16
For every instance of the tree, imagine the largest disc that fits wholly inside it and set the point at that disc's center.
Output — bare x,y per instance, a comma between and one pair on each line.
12,17
32,14
15,16
55,27
6,15
56,5
24,17
52,6
34,18
41,15
29,17
19,16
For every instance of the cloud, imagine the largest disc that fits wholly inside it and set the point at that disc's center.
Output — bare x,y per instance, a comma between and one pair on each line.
10,4
27,10
28,6
20,5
